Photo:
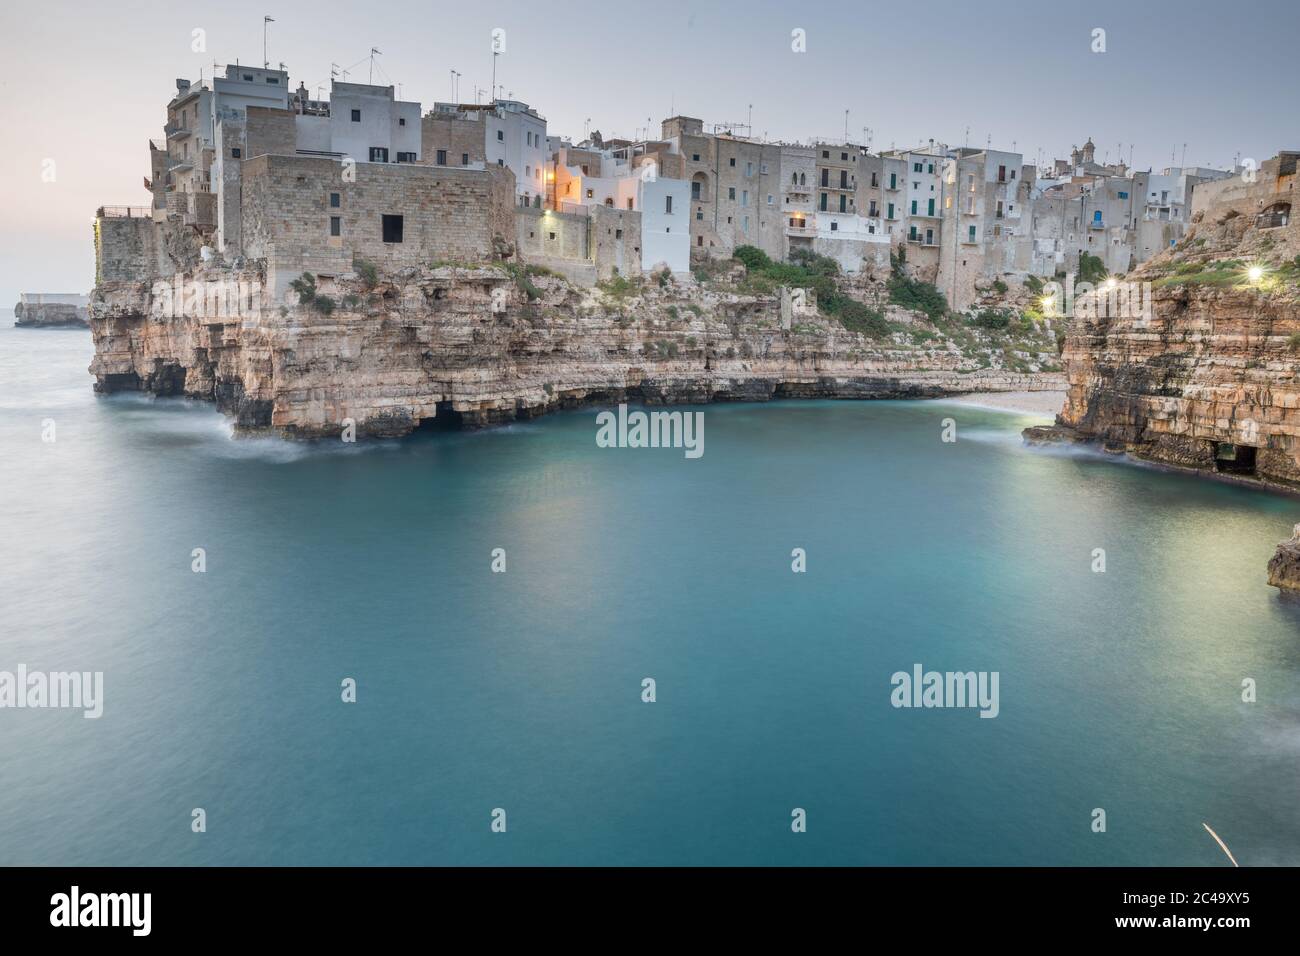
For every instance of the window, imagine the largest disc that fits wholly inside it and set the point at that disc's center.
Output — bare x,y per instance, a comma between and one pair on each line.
699,214
891,211
379,154
336,225
744,197
930,168
916,167
731,193
844,179
356,116
929,237
1002,174
823,203
695,157
401,121
746,225
835,226
893,180
826,154
749,169
408,158
591,193
552,235
826,173
235,152
970,235
273,79
930,208
609,201
629,205
874,180
913,207
998,214
334,200
769,199
501,136
392,226
618,233
844,156
843,202
464,159
441,159
1123,195
668,204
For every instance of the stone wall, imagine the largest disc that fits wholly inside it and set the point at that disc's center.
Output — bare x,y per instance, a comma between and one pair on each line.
447,213
268,130
126,249
461,139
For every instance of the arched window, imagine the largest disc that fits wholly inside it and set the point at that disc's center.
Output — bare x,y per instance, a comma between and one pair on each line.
609,202
700,187
803,179
794,179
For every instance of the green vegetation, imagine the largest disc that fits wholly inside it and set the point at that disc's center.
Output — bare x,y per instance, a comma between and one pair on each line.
367,272
999,287
618,287
525,285
1091,268
305,286
1293,343
917,295
1034,285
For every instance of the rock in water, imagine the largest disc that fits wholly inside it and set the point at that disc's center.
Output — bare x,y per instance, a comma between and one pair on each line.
1284,568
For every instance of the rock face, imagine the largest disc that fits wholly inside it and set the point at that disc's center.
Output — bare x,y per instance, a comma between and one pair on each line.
484,345
48,315
1211,382
1284,568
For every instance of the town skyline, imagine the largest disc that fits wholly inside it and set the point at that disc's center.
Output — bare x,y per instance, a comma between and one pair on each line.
682,70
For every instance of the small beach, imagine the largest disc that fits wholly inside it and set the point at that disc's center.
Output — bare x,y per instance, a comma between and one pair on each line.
1046,404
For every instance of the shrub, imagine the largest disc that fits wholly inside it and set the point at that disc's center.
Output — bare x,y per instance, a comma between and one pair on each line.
367,272
1293,343
1091,268
753,257
916,295
992,319
856,317
999,287
305,286
1034,285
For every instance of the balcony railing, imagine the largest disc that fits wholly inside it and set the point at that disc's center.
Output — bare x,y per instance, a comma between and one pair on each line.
1271,220
176,131
123,212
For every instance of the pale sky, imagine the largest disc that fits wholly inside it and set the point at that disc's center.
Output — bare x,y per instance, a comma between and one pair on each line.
85,84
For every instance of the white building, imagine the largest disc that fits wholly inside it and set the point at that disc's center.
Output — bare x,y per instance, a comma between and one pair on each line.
627,178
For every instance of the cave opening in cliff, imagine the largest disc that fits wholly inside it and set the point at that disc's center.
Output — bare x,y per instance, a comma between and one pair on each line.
1235,459
445,419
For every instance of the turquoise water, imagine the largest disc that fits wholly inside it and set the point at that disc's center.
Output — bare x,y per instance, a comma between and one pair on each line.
522,690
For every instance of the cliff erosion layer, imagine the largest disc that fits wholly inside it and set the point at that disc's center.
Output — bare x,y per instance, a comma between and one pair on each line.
1209,381
482,345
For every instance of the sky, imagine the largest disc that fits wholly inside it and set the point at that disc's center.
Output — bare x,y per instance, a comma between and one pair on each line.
84,85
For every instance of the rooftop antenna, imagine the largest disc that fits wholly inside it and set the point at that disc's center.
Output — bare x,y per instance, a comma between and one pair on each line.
453,85
265,21
1183,162
846,126
373,53
495,53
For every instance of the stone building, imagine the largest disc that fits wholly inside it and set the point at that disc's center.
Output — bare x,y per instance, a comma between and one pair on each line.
735,183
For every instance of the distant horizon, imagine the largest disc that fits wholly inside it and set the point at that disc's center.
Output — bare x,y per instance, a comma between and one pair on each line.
1031,85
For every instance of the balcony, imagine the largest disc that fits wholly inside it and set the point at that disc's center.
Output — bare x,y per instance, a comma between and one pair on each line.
176,131
931,241
804,230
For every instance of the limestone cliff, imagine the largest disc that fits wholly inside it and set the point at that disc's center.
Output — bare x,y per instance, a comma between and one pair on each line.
485,344
49,315
1284,568
1209,377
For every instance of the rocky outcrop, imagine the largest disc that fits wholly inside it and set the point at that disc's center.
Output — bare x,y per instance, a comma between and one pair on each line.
50,315
1211,381
1284,568
483,345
